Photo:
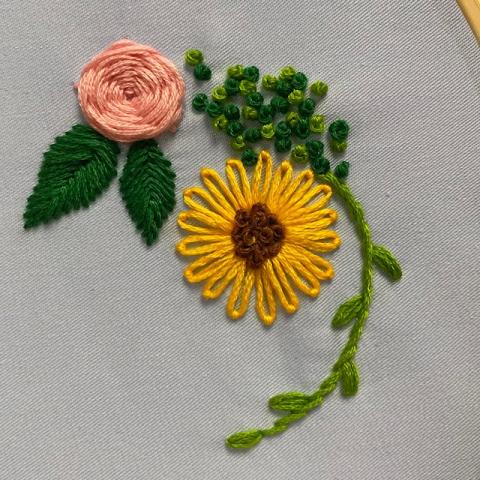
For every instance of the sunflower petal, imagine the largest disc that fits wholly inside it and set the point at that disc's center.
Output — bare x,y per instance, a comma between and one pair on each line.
316,264
311,221
297,188
217,187
285,293
280,182
268,312
243,192
318,241
224,209
241,290
202,244
313,200
262,177
211,223
206,266
217,283
223,222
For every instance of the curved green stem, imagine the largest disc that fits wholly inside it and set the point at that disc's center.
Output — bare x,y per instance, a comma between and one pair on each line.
298,404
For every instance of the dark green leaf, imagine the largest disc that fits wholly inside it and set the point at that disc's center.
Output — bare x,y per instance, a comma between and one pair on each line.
75,170
386,263
350,379
148,188
347,312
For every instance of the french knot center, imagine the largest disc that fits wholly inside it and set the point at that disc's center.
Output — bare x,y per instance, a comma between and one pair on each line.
257,235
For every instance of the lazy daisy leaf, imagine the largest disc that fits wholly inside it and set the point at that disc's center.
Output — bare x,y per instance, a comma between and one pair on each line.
386,262
350,379
76,169
289,401
148,188
347,312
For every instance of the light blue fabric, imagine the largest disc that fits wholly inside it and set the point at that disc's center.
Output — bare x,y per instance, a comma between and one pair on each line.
112,367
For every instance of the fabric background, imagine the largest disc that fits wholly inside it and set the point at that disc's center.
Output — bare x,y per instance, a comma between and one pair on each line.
112,367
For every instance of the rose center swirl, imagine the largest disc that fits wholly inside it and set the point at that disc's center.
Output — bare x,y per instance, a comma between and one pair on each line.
257,235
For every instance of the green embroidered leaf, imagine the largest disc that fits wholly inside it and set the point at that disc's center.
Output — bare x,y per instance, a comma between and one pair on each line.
347,312
148,188
75,170
245,439
289,401
386,262
350,379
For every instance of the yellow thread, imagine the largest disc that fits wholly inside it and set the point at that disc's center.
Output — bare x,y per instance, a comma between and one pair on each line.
299,209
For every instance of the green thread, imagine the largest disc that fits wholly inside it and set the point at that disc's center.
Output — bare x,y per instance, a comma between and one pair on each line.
341,170
337,146
306,107
344,371
319,88
220,123
315,148
316,123
265,114
283,144
235,71
214,109
301,128
283,87
193,57
254,100
249,113
299,81
339,130
202,72
292,118
287,73
200,102
76,169
234,128
282,130
238,143
295,97
251,74
219,93
252,135
320,165
246,87
249,157
231,111
147,186
232,86
267,131
279,104
269,82
299,153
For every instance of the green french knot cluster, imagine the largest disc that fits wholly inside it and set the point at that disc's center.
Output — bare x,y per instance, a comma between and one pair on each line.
194,58
287,118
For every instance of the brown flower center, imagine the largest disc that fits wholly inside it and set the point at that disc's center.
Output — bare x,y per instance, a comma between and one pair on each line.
257,235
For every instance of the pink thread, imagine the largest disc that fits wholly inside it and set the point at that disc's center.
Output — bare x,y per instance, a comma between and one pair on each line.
131,92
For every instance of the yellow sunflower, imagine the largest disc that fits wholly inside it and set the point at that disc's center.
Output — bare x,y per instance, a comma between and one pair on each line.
266,234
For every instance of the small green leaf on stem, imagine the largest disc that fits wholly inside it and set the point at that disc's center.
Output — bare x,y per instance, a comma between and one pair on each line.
386,263
350,379
246,439
289,401
347,312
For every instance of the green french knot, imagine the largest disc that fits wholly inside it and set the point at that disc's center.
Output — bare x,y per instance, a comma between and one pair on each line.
249,113
238,143
193,57
295,97
246,87
338,146
320,165
147,186
279,104
235,71
283,144
306,107
267,131
254,99
232,86
292,118
220,123
265,114
341,170
76,169
214,109
249,157
251,74
315,148
298,405
200,102
231,111
234,128
282,130
301,128
202,72
299,153
252,134
269,82
219,93
317,123
283,87
299,81
287,73
338,130
319,88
